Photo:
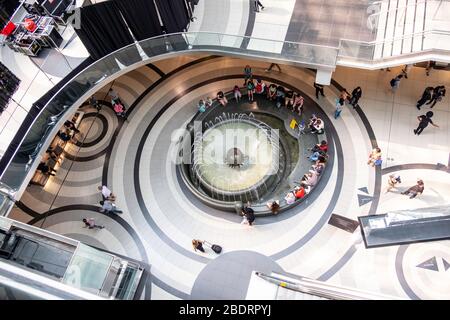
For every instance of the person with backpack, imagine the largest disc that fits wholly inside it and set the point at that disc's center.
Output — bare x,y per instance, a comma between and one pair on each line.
426,95
424,120
396,82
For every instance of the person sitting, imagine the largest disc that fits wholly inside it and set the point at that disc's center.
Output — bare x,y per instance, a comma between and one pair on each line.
317,168
71,126
392,181
301,128
310,178
45,169
260,87
305,187
281,94
237,93
290,197
51,153
299,192
201,106
415,190
312,122
374,157
221,98
323,146
318,126
198,245
274,206
64,135
289,101
208,102
250,89
272,92
297,104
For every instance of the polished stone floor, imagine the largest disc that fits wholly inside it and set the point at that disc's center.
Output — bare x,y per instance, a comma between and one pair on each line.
160,218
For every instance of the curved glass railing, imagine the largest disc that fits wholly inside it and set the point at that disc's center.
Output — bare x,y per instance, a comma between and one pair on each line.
49,118
419,43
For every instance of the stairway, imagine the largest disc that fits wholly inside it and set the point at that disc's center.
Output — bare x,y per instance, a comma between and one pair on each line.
398,20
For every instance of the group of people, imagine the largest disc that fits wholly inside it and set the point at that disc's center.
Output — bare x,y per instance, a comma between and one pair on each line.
108,207
412,192
346,97
205,104
319,157
431,96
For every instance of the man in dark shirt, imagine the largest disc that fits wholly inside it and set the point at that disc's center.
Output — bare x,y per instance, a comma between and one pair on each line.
415,190
424,120
438,94
319,89
426,95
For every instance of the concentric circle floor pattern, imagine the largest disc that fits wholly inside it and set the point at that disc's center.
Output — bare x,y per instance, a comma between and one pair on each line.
135,159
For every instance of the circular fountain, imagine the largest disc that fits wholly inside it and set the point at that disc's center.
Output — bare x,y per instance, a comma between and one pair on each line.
236,159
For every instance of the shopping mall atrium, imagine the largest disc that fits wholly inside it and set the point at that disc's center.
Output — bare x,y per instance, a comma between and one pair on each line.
225,150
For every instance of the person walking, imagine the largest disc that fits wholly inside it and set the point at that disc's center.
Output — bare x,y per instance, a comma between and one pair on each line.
257,5
90,223
424,120
198,245
106,193
273,65
249,216
356,95
416,190
339,107
319,89
438,94
109,207
426,95
395,82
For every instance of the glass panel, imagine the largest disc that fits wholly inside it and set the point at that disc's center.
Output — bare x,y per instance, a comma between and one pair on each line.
88,269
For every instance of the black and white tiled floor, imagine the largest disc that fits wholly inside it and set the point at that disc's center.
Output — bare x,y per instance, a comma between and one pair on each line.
134,159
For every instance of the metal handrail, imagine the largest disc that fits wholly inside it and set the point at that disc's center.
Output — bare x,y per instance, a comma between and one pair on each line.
415,34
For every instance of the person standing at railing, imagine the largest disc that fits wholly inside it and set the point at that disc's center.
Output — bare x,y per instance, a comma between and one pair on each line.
407,69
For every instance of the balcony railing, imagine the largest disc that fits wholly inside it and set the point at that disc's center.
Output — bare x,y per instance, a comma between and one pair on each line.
50,118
